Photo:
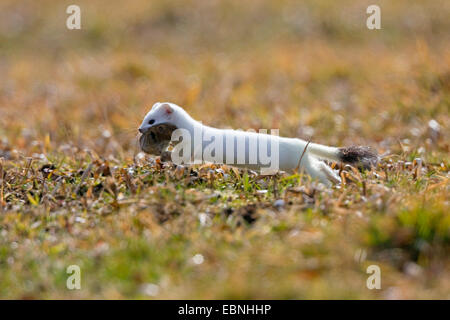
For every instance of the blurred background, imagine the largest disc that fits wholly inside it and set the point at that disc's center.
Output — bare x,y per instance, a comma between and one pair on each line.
72,192
310,68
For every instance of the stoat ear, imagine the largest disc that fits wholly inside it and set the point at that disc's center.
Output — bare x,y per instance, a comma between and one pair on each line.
167,108
155,105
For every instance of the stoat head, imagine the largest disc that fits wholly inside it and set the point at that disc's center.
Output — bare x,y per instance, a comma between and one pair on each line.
164,113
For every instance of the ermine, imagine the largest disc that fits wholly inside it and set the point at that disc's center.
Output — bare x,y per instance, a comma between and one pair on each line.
292,154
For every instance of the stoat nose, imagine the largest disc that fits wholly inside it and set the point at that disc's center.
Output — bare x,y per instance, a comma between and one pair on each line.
142,130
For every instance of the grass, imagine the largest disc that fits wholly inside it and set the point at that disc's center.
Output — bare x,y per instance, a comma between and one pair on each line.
75,190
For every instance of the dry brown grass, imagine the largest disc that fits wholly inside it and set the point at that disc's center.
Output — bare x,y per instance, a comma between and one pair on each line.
74,192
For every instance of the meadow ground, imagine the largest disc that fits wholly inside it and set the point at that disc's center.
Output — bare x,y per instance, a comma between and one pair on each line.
75,191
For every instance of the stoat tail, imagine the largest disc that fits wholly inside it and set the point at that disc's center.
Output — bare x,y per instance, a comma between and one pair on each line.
359,156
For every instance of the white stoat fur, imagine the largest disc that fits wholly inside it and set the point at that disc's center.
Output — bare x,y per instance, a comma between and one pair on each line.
291,150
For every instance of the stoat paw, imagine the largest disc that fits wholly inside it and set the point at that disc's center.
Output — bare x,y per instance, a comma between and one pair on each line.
329,173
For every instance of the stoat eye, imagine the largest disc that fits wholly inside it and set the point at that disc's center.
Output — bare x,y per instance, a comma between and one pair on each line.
152,121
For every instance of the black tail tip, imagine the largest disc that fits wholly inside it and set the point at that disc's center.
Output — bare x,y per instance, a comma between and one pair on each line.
362,157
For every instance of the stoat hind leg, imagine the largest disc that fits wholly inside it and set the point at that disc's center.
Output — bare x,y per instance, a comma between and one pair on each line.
319,170
331,175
